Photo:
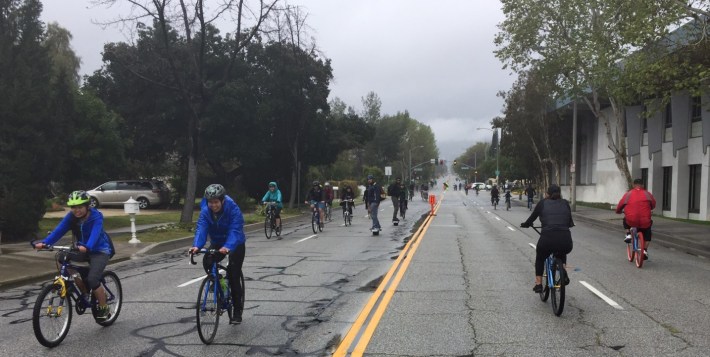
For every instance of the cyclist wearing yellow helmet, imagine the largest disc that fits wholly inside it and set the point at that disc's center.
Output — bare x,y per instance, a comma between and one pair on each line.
91,241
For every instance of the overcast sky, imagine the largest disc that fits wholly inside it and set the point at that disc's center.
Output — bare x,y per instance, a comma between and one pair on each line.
432,58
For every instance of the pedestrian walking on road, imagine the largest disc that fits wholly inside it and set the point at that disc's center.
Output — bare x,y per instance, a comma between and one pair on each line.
373,196
394,190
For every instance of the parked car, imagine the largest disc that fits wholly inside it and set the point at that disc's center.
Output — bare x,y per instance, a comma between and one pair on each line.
148,193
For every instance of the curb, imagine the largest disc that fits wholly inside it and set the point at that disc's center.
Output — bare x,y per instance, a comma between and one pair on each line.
662,239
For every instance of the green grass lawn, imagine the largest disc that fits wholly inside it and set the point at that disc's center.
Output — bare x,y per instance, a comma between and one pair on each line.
173,230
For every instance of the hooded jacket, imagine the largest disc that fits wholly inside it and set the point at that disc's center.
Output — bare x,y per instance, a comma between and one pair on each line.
273,196
226,228
637,205
89,233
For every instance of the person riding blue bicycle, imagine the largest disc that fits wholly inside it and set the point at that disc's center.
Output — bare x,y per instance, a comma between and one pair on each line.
92,243
556,218
221,219
274,195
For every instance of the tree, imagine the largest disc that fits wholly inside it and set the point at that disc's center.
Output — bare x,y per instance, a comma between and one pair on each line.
581,44
183,32
371,104
32,119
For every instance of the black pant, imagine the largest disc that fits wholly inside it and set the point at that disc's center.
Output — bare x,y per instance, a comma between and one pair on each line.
646,231
91,274
558,242
234,270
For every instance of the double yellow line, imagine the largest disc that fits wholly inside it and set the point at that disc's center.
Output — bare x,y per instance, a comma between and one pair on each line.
399,268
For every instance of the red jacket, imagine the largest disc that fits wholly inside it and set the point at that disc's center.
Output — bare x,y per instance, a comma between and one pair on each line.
637,205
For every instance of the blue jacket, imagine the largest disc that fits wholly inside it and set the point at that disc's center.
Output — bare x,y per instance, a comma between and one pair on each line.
89,233
273,196
225,230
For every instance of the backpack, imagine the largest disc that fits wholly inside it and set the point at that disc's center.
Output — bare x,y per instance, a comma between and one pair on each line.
383,195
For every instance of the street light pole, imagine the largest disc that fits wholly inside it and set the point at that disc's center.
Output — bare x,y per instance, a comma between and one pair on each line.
410,161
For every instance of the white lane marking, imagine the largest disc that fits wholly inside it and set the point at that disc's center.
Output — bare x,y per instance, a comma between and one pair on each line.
602,296
313,236
498,218
511,228
191,281
532,245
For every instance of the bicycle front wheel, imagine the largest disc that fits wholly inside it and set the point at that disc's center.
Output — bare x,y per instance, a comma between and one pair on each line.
639,251
557,291
268,227
314,223
208,311
114,298
51,316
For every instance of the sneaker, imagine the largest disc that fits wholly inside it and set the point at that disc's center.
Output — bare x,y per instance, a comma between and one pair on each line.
566,280
537,288
627,239
236,317
645,255
103,313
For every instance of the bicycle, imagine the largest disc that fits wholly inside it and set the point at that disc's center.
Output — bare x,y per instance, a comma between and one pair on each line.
347,215
530,203
507,203
56,302
634,249
425,196
495,201
328,211
214,297
315,220
270,221
554,280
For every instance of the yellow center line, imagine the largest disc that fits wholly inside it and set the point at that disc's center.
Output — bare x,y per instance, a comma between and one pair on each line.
399,266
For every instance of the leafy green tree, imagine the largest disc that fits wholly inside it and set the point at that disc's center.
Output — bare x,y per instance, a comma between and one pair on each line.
32,124
184,32
581,44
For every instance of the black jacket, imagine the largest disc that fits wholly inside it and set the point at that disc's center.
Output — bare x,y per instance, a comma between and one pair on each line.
394,190
555,215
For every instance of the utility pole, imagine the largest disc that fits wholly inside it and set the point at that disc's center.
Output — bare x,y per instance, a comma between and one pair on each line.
573,169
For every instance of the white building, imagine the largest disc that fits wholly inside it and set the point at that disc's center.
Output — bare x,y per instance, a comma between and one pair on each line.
668,151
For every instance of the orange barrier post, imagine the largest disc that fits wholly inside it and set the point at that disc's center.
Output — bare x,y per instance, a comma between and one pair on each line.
432,203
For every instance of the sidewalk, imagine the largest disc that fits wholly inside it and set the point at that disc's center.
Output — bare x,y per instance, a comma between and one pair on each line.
20,264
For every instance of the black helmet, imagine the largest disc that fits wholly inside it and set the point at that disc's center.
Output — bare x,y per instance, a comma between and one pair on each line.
215,190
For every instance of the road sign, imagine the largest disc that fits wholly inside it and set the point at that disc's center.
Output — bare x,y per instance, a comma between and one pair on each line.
388,170
464,168
497,172
419,169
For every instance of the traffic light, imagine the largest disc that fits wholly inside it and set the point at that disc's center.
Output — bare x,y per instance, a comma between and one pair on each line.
436,162
455,162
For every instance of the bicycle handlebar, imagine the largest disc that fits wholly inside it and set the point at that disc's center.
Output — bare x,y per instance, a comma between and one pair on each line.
203,250
51,248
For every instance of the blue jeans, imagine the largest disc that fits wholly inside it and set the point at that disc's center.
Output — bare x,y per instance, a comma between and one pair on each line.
374,209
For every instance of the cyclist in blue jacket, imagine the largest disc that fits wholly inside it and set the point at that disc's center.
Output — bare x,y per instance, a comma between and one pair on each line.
274,195
222,220
92,243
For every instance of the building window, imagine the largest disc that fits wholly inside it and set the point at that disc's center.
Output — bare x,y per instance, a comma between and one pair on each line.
644,178
667,184
668,124
696,118
644,127
694,189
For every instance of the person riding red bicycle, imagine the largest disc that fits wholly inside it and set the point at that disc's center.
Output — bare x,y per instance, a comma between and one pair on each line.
637,205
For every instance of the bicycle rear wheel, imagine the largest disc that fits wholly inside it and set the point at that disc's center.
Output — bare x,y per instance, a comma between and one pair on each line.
207,311
51,316
114,298
557,291
639,250
545,293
